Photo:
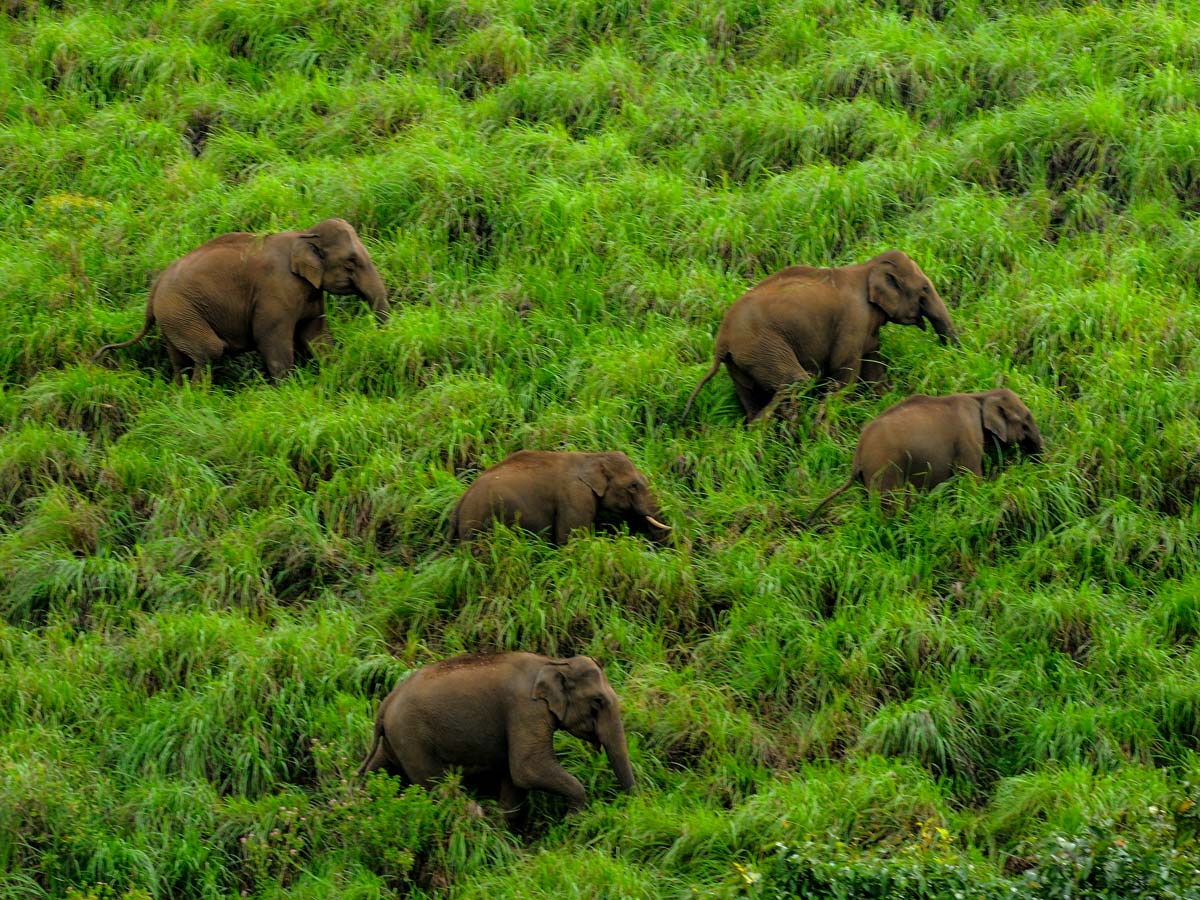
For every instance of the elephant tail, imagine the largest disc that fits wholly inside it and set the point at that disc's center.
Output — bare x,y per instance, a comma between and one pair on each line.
452,526
137,337
703,381
381,750
824,503
362,770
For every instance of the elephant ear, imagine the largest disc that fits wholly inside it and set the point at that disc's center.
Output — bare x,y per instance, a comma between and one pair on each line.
595,475
551,686
995,418
306,259
883,289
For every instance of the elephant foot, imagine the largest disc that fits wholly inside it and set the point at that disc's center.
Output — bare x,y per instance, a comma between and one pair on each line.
776,409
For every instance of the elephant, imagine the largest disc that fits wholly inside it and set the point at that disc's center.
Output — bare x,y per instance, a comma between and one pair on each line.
805,323
493,716
242,292
556,492
923,441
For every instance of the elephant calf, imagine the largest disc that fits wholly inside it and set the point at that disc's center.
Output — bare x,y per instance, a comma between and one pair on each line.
494,716
923,441
244,292
804,323
557,492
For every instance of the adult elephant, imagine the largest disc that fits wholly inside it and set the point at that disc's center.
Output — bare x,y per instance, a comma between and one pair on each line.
242,292
923,441
493,716
804,323
556,493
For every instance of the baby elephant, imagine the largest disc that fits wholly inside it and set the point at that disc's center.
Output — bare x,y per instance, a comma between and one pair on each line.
556,493
494,716
923,441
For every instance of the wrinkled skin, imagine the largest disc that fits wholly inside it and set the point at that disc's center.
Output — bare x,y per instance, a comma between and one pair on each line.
494,717
922,441
804,323
242,292
557,492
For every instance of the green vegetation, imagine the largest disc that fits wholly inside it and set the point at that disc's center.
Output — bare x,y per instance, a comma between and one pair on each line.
204,592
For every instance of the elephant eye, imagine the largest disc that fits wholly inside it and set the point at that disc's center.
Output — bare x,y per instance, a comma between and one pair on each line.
598,703
892,281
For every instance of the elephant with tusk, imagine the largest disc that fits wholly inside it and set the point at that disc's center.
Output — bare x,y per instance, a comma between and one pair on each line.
556,493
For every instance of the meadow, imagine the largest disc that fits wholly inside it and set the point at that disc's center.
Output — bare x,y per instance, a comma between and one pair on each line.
206,590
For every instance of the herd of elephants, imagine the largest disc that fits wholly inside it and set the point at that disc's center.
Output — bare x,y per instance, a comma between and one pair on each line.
493,716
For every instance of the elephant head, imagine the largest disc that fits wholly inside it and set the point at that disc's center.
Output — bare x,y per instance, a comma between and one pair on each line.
585,705
900,289
623,492
332,258
1009,421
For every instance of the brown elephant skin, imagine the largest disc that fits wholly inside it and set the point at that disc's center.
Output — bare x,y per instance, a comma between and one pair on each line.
557,492
493,717
242,292
922,441
805,323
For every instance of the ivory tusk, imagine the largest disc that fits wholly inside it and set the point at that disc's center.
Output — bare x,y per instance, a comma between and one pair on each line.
657,524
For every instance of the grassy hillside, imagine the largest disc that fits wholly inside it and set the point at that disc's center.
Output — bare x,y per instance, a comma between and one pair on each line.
204,592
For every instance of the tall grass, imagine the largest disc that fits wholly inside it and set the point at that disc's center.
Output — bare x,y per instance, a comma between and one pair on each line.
205,590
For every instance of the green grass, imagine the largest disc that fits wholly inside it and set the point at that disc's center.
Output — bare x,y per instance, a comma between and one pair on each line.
205,591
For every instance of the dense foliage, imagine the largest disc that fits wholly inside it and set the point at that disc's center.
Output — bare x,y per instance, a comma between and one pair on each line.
205,591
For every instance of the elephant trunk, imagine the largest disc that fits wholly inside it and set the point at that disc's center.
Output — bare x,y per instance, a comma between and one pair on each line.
1033,444
371,288
934,310
611,735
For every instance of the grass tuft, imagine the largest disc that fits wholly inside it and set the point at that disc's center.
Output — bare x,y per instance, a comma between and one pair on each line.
206,591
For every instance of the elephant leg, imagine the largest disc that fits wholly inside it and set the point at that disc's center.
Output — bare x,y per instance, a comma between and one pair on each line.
969,458
194,341
547,775
888,479
890,500
892,486
751,398
564,524
275,341
200,372
512,803
847,359
884,480
784,398
179,362
313,338
773,371
873,371
575,508
420,767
